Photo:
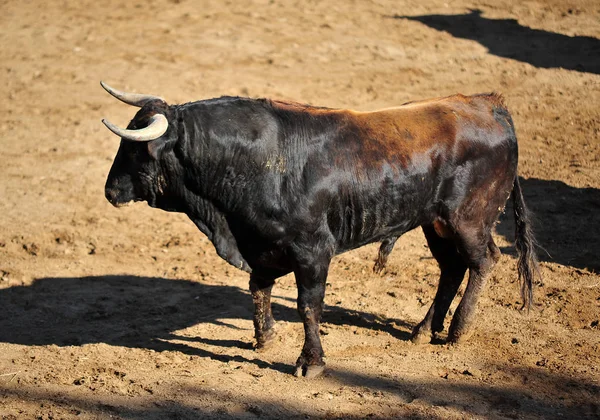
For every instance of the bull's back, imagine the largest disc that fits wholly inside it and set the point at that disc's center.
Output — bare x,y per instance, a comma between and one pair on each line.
397,166
402,133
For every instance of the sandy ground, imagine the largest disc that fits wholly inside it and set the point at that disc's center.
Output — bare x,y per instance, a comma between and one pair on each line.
129,314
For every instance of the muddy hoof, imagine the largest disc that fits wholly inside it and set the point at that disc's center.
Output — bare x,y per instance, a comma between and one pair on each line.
420,337
310,371
457,337
264,346
266,341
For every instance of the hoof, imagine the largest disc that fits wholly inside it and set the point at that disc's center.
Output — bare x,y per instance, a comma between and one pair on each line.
457,337
420,336
310,371
264,346
265,341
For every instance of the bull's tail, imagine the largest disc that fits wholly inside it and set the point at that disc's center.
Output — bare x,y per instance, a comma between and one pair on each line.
525,244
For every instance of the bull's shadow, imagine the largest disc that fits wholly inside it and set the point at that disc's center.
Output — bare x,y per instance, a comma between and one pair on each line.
566,222
507,38
145,312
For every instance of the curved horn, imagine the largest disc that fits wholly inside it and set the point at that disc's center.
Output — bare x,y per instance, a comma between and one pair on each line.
134,99
157,127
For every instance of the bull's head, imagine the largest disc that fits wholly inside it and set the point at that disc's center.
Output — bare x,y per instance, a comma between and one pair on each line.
134,175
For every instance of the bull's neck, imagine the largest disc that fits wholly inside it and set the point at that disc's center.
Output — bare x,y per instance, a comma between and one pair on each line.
207,160
199,192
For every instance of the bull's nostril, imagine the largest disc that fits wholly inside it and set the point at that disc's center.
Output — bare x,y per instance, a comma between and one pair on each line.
110,194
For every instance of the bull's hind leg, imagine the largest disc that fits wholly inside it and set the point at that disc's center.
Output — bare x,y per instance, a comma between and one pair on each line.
260,287
481,253
452,272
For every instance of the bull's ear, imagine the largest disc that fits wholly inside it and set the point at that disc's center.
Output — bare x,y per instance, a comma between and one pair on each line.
156,147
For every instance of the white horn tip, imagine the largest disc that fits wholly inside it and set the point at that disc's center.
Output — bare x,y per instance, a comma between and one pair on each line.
134,99
105,86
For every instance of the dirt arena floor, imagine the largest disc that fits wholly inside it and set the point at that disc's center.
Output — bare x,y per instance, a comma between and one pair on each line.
129,313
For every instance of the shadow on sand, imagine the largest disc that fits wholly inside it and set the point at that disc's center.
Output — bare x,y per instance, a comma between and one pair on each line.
144,312
507,38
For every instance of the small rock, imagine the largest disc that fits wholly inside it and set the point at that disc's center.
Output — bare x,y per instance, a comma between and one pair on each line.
79,381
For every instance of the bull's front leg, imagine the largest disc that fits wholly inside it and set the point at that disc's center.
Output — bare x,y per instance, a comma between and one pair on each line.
260,287
311,291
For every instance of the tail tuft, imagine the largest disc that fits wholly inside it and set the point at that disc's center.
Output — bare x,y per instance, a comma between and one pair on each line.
525,244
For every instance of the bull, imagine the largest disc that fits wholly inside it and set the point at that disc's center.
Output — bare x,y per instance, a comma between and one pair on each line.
281,187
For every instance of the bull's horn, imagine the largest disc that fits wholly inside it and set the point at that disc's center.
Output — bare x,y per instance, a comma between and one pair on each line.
157,127
134,99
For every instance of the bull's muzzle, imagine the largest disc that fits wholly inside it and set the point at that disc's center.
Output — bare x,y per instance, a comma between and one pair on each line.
113,197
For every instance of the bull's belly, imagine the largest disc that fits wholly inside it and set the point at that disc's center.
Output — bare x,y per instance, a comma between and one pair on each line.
374,218
388,231
349,223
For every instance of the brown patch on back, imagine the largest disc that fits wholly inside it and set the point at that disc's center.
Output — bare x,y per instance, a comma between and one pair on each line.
397,134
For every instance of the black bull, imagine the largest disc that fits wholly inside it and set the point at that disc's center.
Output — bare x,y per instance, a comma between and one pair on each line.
280,187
